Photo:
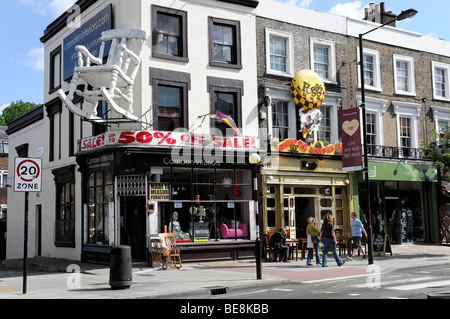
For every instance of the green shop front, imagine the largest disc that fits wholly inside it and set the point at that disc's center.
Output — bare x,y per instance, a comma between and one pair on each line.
403,200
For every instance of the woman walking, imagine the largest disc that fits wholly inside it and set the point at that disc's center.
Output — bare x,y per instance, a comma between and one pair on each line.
312,232
329,240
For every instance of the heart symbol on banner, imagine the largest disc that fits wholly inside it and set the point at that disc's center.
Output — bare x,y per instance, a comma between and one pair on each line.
350,127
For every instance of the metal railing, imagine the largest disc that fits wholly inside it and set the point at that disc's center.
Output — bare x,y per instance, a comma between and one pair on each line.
394,152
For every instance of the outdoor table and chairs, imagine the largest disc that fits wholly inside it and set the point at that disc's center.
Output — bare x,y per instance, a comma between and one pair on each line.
293,245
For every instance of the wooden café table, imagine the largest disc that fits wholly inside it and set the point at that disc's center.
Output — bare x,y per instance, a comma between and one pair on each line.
293,243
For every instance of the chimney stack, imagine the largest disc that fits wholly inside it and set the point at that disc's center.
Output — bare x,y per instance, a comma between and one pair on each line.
377,13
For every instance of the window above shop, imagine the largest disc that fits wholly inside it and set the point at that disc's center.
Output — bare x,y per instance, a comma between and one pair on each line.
279,59
169,33
225,43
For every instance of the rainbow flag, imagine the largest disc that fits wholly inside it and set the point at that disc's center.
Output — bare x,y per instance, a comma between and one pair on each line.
227,120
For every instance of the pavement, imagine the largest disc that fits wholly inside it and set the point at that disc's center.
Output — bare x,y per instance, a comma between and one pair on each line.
51,278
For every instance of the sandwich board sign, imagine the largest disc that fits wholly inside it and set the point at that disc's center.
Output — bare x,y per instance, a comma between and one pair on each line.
27,174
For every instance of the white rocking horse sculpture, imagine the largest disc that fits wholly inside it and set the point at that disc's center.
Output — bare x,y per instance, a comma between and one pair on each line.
112,81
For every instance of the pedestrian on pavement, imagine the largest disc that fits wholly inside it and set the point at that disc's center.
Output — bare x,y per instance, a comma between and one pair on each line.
312,233
329,240
358,230
277,243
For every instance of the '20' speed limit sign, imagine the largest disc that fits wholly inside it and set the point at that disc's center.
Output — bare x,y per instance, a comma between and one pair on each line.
27,174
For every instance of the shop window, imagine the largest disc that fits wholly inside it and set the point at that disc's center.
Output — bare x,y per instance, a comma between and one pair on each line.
270,202
210,203
339,217
100,194
271,218
325,202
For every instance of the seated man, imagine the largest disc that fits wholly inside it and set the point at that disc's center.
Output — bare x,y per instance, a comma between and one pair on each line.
277,243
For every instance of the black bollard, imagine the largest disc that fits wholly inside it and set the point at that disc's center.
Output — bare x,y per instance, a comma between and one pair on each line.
258,258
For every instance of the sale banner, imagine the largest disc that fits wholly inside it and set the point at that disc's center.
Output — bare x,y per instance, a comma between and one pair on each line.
351,140
168,140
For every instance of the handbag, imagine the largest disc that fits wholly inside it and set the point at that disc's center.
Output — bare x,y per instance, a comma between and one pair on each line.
315,239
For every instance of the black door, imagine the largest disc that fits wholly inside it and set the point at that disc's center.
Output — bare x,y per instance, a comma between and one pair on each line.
133,221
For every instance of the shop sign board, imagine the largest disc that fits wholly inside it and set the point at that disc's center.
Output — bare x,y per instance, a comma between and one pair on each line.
167,140
405,172
159,192
27,174
88,35
351,140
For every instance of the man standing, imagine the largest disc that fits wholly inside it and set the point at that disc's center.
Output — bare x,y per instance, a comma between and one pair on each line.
357,231
277,243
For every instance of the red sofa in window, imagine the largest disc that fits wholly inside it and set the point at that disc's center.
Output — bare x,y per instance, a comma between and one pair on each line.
241,231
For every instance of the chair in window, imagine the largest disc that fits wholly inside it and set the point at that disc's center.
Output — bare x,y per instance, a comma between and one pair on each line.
111,81
170,251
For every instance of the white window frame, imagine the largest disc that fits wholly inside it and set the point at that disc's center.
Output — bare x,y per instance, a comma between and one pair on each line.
332,56
376,72
289,52
2,174
332,100
411,78
282,94
446,68
440,114
411,110
377,107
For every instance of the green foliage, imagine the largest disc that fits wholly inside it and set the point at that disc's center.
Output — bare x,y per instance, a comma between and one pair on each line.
440,151
15,110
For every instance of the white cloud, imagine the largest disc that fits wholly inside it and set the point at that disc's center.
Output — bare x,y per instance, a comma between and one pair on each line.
2,107
52,8
35,59
350,9
300,3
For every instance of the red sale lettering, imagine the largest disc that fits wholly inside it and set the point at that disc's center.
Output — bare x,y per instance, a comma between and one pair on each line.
93,142
126,137
144,137
166,139
217,141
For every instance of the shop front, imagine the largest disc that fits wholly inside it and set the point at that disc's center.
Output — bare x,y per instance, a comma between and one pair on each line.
303,187
403,201
133,192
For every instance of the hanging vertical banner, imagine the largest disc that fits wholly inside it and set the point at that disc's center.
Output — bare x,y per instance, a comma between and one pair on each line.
351,84
351,140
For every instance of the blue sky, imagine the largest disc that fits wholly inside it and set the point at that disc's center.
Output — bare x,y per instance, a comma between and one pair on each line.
22,24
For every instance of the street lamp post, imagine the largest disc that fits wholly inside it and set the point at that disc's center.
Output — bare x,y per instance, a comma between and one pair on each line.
254,160
402,16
